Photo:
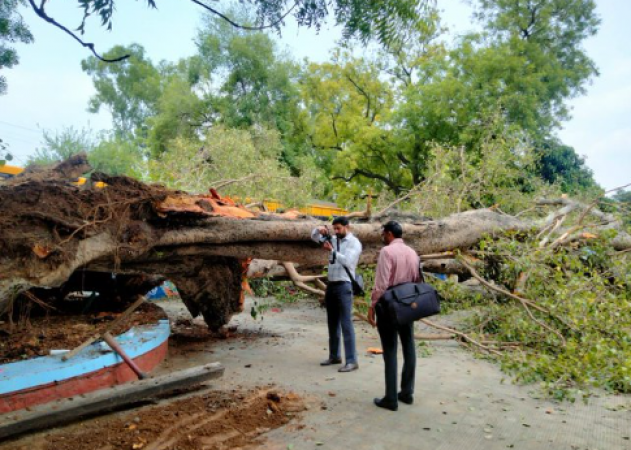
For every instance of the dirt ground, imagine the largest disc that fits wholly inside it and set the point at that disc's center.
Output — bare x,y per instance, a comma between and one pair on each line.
460,401
215,420
46,333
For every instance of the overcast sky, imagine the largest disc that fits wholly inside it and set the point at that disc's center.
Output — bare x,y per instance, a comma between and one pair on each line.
48,89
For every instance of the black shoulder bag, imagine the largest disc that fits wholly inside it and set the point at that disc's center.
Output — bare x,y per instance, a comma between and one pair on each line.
408,302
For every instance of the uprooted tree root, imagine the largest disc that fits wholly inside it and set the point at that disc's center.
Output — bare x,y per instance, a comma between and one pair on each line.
44,223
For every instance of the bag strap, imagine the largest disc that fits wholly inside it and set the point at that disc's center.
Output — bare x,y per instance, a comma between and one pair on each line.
348,272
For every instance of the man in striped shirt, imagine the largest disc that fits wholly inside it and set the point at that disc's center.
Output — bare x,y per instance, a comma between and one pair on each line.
344,250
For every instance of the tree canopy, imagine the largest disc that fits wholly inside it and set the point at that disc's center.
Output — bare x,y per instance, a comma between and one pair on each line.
12,30
371,122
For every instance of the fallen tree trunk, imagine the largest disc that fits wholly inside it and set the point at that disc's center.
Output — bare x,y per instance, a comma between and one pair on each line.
50,230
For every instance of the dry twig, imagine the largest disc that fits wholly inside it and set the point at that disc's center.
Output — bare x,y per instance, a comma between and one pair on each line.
462,335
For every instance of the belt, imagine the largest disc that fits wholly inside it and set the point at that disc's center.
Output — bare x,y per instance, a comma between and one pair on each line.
336,283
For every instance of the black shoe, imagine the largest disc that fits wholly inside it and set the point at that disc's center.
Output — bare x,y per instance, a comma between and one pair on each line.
407,399
349,367
382,403
331,361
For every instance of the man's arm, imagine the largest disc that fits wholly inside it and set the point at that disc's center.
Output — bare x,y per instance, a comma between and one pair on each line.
315,235
350,258
382,276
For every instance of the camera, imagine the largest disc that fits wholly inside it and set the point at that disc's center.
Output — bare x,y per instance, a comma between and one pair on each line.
325,238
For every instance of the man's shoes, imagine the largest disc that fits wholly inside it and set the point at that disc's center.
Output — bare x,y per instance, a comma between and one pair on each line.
407,399
349,367
331,361
382,403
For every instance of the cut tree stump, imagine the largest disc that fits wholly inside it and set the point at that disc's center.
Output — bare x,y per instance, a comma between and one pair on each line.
106,400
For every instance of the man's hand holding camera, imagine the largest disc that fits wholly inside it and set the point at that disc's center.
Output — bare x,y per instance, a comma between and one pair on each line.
325,238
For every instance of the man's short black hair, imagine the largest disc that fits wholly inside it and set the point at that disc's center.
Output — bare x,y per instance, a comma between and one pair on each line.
342,220
394,228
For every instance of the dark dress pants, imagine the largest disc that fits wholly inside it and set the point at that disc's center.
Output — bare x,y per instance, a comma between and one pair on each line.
388,334
339,313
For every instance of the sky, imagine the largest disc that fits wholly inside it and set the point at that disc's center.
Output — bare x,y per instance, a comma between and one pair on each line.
49,91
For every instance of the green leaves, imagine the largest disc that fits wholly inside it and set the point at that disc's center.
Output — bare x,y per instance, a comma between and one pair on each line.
4,155
12,29
585,292
62,144
129,89
241,163
543,46
379,19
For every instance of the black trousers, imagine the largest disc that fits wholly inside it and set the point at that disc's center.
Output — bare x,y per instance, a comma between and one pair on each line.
388,334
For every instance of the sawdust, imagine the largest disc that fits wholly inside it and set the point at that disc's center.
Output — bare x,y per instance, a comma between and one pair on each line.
214,421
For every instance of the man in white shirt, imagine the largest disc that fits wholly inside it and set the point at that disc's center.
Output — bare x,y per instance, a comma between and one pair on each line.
344,251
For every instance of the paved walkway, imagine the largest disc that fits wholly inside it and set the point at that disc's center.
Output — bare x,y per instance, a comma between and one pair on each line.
461,402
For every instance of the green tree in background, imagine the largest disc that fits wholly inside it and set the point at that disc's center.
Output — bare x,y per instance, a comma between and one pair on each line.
349,106
12,30
129,90
559,163
524,71
61,145
238,79
370,122
150,104
250,82
539,56
179,110
241,163
113,155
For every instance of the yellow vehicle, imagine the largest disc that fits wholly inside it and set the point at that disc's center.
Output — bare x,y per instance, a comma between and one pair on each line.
81,181
316,208
8,171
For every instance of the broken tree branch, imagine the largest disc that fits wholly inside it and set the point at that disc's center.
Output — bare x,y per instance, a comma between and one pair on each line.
526,304
362,214
301,281
462,335
39,10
